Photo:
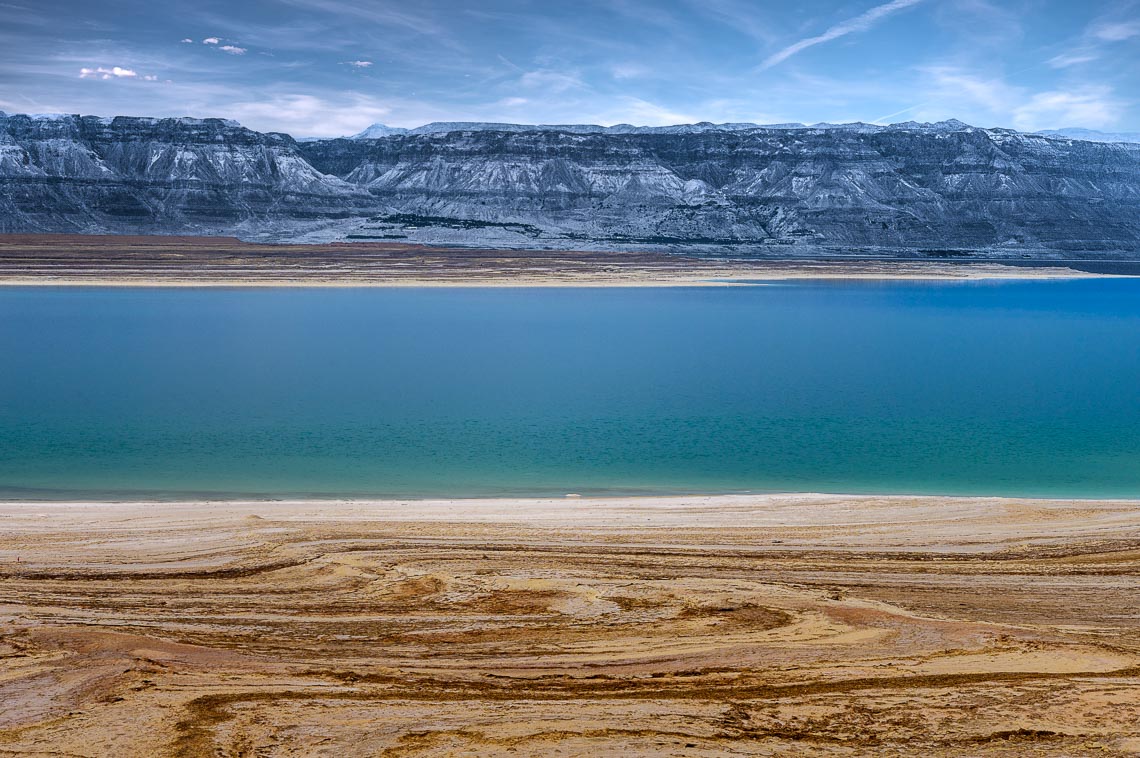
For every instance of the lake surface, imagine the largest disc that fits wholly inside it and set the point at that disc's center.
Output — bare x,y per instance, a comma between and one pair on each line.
1011,388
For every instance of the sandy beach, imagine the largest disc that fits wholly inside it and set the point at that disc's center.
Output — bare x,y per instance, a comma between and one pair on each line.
70,260
696,626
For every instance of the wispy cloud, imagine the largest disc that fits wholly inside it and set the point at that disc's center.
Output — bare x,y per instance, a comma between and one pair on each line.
305,115
646,13
635,110
1073,58
1093,42
605,61
993,101
551,81
233,49
1093,106
989,28
741,16
954,84
1117,32
629,70
860,23
383,14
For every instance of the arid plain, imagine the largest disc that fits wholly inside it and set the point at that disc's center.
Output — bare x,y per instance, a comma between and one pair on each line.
743,625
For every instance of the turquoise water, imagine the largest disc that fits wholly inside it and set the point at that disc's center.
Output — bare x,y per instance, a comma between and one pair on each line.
1016,388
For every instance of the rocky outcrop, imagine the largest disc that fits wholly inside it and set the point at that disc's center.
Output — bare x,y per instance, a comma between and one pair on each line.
88,174
944,188
931,189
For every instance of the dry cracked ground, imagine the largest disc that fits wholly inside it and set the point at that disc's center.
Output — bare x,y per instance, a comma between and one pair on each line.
774,625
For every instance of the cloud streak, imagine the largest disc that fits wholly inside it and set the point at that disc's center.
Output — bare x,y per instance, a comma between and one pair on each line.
860,23
1073,58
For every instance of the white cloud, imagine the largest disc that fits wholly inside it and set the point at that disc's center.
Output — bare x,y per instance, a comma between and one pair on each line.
211,41
232,50
1091,107
860,23
115,72
360,64
309,115
1117,32
989,101
187,41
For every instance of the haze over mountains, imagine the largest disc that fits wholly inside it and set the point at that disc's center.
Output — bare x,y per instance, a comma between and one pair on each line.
439,127
1093,135
377,131
945,189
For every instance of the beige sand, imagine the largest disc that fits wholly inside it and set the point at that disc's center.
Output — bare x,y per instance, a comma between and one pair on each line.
698,626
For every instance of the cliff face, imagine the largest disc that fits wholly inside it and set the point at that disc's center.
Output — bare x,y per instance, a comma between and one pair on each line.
936,189
918,187
87,174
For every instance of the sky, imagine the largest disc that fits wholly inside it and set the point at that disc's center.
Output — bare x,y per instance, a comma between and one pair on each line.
332,67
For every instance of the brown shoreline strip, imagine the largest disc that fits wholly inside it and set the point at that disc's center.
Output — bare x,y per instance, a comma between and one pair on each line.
222,261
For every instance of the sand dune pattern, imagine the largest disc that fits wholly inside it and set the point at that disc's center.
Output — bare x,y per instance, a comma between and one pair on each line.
750,625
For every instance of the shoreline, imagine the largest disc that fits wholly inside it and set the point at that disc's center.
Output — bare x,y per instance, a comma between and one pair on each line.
909,518
771,272
383,502
78,260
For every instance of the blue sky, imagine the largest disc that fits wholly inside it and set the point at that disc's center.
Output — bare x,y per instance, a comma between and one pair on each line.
331,67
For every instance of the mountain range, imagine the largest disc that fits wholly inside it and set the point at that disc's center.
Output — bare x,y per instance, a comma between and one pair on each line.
436,127
945,189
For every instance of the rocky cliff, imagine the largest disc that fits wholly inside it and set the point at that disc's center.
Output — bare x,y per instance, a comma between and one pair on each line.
929,189
88,174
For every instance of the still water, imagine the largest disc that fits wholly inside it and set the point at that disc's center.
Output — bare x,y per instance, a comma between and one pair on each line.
1010,388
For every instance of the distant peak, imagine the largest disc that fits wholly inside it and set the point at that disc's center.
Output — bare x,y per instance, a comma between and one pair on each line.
379,130
49,116
1092,135
949,125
